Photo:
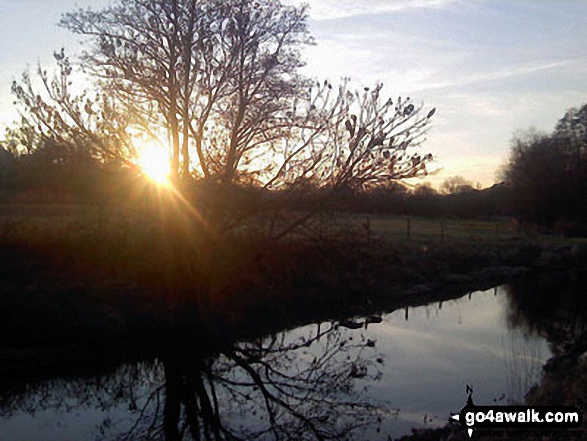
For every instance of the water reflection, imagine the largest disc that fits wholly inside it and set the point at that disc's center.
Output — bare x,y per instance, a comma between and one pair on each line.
554,306
524,355
444,346
285,387
295,385
365,377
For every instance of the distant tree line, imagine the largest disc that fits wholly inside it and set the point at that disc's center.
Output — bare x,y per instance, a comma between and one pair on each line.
79,178
420,201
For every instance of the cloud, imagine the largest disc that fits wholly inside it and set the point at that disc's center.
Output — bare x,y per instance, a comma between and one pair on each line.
444,80
441,80
337,9
417,62
513,71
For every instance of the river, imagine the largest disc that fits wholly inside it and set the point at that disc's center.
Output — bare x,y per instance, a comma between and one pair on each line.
404,369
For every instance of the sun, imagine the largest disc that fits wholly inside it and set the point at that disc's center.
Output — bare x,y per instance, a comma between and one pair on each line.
154,163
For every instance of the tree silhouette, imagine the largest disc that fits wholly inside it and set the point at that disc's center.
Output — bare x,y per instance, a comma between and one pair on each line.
222,78
216,72
573,126
548,173
63,126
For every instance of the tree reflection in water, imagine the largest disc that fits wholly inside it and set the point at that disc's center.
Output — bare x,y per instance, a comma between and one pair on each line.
553,305
289,386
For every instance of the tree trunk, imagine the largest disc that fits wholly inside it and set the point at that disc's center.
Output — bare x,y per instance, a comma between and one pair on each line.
185,169
174,126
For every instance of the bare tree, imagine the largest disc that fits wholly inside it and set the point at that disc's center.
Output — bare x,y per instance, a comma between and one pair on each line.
222,77
64,124
573,126
213,73
142,52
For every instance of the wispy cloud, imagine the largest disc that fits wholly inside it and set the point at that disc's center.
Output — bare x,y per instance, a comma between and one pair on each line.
496,75
523,69
336,9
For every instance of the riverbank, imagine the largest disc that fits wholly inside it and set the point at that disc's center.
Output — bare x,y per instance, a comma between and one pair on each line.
67,301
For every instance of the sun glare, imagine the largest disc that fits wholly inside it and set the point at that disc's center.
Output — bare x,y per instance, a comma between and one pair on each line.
154,163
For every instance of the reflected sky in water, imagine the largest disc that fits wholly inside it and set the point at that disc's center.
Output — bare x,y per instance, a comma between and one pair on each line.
431,357
417,369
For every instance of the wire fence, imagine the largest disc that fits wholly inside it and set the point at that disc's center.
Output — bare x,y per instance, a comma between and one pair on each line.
412,227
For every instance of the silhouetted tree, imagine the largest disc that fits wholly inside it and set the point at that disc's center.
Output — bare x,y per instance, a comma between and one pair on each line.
573,126
60,125
214,74
425,189
548,174
223,77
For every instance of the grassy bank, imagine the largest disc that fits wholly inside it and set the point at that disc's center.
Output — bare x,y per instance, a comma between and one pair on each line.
99,277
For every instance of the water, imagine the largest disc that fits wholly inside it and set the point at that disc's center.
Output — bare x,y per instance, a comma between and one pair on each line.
432,356
410,370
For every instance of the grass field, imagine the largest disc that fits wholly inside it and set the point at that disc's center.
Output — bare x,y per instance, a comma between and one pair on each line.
51,217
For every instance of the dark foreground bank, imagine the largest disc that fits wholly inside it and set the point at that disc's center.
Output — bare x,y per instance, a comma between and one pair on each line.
65,303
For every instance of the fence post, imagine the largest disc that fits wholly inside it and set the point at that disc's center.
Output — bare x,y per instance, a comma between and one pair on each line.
442,230
409,226
367,227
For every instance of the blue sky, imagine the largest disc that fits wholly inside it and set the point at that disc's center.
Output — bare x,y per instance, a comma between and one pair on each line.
490,67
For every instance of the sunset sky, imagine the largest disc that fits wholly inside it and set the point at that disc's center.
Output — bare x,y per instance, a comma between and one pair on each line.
490,67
